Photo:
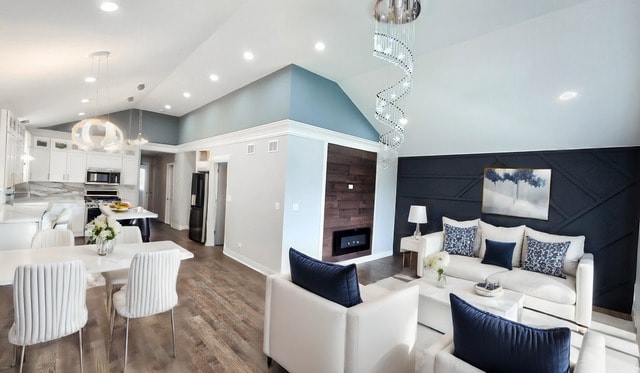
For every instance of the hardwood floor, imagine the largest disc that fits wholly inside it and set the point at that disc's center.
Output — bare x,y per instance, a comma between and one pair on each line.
219,321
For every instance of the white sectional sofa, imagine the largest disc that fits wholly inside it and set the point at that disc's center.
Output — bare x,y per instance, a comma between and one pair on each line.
569,298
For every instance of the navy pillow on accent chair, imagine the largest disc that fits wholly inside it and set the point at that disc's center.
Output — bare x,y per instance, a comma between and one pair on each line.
499,253
494,344
334,282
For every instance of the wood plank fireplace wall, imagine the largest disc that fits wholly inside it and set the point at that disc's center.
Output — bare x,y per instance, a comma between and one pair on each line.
347,208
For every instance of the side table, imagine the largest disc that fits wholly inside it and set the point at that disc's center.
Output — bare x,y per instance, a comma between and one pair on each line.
411,244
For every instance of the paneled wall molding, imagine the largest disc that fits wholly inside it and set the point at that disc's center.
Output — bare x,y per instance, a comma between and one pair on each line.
594,192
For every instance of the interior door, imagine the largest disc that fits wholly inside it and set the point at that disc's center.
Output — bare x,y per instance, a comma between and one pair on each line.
221,203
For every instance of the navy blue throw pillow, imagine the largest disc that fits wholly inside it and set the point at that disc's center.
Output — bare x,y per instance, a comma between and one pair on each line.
334,282
494,344
499,253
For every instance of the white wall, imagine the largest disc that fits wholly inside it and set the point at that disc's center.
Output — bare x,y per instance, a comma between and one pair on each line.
305,187
255,184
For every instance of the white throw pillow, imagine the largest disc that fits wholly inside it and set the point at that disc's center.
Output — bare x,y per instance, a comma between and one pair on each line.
465,224
503,234
574,252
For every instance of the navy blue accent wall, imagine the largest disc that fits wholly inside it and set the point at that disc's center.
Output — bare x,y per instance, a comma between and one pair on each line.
594,192
321,102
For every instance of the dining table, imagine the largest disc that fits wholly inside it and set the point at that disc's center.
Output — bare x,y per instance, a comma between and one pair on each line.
119,259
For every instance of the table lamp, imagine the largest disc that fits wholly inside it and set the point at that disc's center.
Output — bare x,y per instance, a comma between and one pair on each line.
417,214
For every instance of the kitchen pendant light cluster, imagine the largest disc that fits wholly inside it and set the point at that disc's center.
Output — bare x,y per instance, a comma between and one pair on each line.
96,133
392,42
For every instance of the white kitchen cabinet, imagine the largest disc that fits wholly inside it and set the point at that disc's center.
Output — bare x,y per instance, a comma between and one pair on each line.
39,164
14,161
130,167
104,161
69,166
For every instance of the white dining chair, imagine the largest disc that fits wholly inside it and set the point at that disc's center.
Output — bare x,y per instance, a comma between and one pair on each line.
49,302
62,220
113,279
150,290
52,238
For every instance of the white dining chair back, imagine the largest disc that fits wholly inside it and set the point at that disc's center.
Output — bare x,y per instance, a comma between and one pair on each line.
52,238
112,279
49,302
62,220
151,289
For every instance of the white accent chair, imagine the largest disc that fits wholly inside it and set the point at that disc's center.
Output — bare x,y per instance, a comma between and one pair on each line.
49,302
52,238
151,289
129,234
62,220
304,332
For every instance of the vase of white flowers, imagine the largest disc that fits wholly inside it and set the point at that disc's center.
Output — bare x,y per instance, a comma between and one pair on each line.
104,230
438,262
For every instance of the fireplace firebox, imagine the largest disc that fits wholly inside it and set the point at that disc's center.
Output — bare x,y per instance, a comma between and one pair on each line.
351,240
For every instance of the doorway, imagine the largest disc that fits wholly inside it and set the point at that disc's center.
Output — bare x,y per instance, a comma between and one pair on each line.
220,202
143,193
168,193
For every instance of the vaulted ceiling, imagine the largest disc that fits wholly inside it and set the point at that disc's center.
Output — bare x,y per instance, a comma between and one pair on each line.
487,73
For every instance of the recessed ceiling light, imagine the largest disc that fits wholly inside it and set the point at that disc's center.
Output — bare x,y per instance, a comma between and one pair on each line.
81,114
319,46
84,100
109,6
214,77
168,107
90,79
248,56
186,94
567,95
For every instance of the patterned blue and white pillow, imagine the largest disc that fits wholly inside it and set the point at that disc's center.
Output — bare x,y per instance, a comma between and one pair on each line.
459,241
546,257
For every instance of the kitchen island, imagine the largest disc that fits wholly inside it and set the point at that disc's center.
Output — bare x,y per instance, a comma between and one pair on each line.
133,216
18,224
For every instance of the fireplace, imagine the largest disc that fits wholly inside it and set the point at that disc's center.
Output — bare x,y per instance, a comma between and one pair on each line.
351,240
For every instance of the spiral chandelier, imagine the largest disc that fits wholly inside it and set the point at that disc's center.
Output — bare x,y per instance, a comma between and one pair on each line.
392,43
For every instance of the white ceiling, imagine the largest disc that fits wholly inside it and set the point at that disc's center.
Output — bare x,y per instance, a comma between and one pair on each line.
487,73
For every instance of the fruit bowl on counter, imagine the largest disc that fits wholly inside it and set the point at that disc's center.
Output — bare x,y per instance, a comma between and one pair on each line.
120,206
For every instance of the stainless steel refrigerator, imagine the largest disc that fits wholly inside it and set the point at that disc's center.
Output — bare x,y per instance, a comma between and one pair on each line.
198,214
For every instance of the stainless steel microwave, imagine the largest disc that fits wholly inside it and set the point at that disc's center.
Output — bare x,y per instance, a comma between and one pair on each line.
105,177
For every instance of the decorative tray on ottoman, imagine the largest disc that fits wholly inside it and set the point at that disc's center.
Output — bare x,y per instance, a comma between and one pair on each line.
488,289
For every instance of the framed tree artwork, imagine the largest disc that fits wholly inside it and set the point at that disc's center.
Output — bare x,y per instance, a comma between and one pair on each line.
522,192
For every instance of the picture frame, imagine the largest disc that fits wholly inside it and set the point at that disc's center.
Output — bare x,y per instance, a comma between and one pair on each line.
520,192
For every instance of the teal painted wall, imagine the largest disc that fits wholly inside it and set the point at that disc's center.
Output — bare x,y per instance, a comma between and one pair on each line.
289,93
156,127
321,102
264,101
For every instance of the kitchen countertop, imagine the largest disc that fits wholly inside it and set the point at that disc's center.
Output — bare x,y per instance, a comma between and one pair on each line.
21,214
133,213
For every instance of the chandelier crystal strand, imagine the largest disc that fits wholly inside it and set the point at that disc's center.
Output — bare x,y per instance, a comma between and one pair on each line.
392,43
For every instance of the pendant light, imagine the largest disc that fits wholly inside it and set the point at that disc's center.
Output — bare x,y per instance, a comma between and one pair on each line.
139,140
96,133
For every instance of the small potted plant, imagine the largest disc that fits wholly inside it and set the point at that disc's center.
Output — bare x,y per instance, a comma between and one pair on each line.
104,230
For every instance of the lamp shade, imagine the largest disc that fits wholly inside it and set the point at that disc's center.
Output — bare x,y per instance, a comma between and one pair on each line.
418,214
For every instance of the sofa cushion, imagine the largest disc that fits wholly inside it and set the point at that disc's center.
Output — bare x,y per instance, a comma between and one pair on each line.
331,281
498,253
470,268
503,234
494,344
465,224
574,252
551,288
459,241
546,257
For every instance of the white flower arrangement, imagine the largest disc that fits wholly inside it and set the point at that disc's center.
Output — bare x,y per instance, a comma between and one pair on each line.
104,227
438,261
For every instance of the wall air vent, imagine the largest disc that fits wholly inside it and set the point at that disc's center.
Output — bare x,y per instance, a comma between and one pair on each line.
251,148
273,146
